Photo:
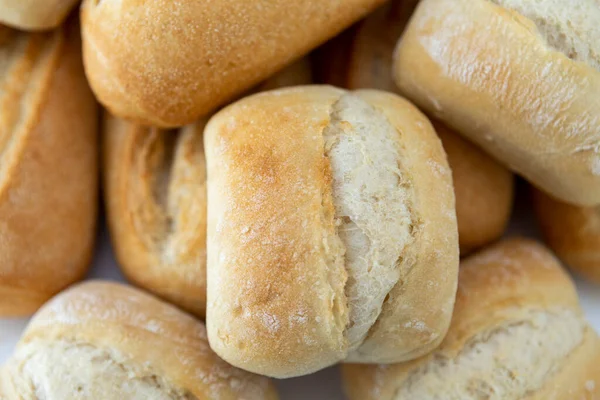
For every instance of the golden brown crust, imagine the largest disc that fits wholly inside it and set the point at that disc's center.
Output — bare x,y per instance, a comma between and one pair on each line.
545,128
155,73
275,295
35,14
498,286
148,333
572,232
48,189
155,193
362,58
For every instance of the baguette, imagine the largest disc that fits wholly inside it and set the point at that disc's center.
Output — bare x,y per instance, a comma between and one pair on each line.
101,340
520,78
178,61
327,238
49,167
517,332
362,58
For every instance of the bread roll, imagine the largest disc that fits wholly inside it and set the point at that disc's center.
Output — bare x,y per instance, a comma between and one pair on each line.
177,61
35,14
572,232
328,239
155,195
517,333
483,188
49,167
520,78
102,340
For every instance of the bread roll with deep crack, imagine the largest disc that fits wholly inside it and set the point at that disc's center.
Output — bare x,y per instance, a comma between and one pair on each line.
520,78
48,167
101,340
331,231
517,333
362,58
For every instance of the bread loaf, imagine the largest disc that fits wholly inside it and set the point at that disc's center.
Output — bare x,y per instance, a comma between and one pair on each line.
483,188
101,340
572,232
331,231
177,61
517,333
519,78
35,14
155,195
48,184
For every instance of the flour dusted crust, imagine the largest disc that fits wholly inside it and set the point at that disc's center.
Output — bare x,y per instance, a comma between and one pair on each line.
519,78
517,333
48,167
35,14
176,61
121,338
288,292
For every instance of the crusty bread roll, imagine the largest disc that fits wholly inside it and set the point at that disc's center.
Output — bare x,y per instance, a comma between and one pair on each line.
102,340
35,14
177,61
48,185
520,78
155,195
331,231
572,232
483,188
517,333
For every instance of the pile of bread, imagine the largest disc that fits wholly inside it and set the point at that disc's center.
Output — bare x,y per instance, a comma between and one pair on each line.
312,209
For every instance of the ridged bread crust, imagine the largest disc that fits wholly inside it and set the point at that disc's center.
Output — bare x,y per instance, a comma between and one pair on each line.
362,58
572,232
504,82
121,338
35,14
516,313
287,233
176,61
48,167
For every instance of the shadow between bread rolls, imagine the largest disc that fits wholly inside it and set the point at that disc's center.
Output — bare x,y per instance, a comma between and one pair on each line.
331,231
519,78
517,332
49,167
155,195
176,61
101,340
573,233
362,57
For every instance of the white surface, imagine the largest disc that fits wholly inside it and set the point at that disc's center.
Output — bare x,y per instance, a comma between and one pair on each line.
324,385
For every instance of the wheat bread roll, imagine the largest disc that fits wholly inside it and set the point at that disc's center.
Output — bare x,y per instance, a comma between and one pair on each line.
331,231
49,167
177,61
155,195
519,78
362,58
35,14
101,340
517,333
572,232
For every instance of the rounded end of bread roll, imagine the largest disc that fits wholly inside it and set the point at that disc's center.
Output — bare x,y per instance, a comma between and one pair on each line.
33,15
155,73
314,197
155,194
48,167
573,233
107,341
517,331
478,80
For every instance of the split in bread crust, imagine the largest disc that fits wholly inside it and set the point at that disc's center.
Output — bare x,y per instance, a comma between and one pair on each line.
325,241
